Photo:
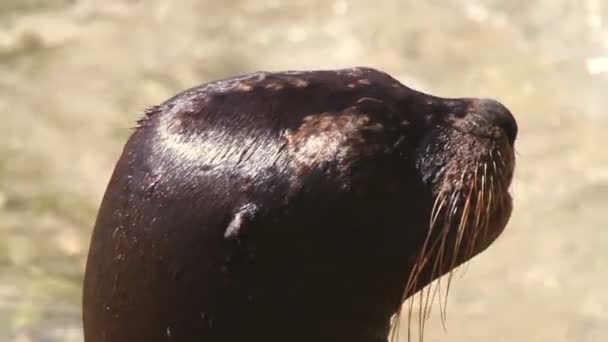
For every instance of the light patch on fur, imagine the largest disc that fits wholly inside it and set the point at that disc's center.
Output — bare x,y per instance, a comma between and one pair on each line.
193,149
274,86
298,82
240,83
243,87
330,140
367,98
355,71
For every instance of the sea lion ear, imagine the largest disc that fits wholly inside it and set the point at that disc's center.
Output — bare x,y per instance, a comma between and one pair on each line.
241,218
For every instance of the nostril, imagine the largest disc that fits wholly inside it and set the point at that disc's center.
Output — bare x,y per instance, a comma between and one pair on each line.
498,115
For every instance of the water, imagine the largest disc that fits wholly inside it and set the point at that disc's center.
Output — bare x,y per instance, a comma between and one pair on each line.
74,75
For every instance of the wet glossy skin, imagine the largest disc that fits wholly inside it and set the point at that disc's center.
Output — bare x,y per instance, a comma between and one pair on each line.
281,206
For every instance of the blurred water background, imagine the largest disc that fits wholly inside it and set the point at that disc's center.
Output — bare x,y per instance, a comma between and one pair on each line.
75,74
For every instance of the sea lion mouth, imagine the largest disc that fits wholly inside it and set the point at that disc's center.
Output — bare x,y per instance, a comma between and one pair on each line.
467,163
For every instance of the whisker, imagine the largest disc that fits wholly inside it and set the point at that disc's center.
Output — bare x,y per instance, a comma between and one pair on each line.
456,248
470,233
488,208
422,258
459,223
501,158
437,267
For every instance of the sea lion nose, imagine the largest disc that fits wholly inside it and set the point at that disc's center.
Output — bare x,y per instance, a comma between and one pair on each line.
498,115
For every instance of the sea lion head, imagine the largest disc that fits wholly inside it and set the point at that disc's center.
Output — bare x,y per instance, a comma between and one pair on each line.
302,206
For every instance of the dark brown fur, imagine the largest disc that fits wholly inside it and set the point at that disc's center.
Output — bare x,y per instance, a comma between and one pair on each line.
295,206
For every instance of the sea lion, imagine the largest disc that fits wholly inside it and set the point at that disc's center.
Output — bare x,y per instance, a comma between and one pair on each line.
293,206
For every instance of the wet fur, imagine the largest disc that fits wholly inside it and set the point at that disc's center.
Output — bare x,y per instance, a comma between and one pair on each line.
301,206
